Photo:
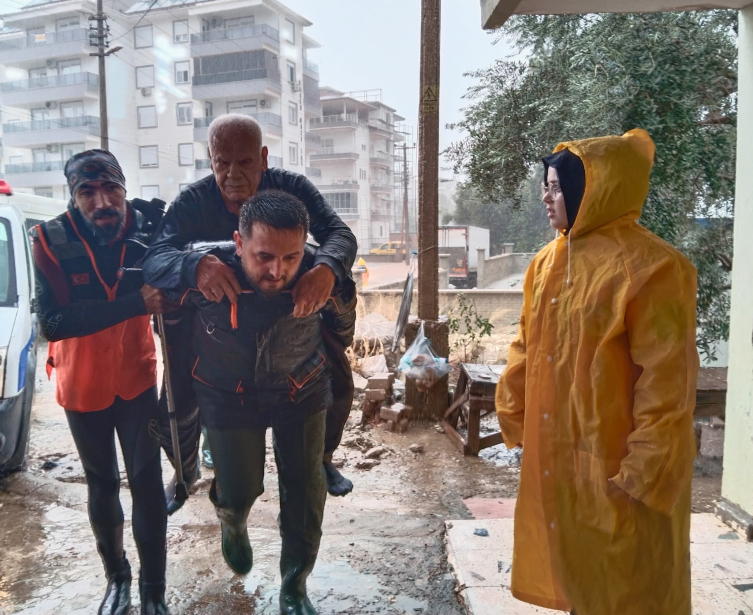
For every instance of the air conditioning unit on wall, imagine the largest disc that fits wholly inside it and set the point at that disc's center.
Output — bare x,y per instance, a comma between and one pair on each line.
51,63
53,147
146,91
51,104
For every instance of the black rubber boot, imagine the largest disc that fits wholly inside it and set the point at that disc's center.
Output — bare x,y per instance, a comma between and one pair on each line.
293,597
117,600
173,504
236,547
153,599
337,484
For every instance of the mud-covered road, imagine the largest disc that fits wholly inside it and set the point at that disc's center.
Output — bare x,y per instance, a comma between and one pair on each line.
382,552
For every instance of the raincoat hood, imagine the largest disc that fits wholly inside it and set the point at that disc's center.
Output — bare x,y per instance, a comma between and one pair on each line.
617,176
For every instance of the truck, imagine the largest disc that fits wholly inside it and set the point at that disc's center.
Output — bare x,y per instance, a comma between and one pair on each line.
462,244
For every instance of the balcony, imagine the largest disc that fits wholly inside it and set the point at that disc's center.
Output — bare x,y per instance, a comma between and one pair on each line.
337,185
43,132
45,46
382,159
251,82
249,38
312,172
335,121
32,174
73,86
271,124
274,161
346,213
382,128
336,153
310,69
382,187
313,142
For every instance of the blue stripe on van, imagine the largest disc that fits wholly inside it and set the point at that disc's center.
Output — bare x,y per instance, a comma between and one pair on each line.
24,359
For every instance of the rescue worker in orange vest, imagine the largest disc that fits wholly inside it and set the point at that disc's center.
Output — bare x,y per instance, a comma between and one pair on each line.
102,348
600,391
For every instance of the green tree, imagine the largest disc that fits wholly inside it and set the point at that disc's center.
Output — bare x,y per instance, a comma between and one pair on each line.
673,74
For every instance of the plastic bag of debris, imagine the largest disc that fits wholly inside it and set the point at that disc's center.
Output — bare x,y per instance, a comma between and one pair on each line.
421,363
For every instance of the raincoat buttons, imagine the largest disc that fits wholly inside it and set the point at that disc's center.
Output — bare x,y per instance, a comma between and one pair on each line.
552,525
554,302
549,359
546,417
546,472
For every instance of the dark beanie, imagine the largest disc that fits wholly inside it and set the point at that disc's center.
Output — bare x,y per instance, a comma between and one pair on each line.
572,178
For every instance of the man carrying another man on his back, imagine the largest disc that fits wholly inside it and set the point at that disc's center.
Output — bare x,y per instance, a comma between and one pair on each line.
258,365
208,210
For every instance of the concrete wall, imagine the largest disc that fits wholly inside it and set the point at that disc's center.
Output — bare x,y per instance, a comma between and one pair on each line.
500,306
738,446
499,267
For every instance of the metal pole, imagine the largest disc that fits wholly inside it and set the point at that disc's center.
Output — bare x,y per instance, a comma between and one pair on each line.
104,133
407,243
428,163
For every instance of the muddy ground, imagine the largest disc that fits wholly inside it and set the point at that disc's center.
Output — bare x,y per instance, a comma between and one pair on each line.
382,552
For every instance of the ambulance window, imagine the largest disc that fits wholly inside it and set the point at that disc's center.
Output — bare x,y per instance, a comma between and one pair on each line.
7,266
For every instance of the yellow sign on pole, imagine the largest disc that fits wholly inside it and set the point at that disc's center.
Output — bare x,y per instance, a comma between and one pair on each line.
430,99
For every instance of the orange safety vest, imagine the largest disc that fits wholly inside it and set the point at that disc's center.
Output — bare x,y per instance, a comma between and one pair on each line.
119,361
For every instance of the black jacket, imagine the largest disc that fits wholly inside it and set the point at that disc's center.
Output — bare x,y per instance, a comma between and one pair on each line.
254,360
199,214
74,273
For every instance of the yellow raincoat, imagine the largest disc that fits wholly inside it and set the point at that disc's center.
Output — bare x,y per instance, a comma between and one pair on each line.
600,391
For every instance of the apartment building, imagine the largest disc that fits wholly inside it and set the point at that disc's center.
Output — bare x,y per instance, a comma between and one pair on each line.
182,64
351,159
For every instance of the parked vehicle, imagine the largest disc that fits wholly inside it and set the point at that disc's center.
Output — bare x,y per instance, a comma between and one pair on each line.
389,248
462,244
18,338
36,209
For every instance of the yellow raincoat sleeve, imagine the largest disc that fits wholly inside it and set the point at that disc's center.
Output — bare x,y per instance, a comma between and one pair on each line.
661,325
511,390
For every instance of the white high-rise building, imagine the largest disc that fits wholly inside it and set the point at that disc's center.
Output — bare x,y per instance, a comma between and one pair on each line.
351,159
182,64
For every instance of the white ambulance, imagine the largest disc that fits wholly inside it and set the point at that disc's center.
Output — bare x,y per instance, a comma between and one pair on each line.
18,323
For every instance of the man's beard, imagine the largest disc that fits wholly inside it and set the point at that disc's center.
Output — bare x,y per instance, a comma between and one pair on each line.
105,234
255,286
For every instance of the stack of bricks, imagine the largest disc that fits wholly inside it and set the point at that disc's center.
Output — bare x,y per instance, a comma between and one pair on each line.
378,391
397,417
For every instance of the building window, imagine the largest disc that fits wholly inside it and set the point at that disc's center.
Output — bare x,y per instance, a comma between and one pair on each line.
67,24
180,31
181,72
71,149
363,147
362,173
185,113
45,191
143,36
289,31
343,202
239,22
291,72
16,160
293,150
145,77
293,113
185,154
148,156
149,192
147,117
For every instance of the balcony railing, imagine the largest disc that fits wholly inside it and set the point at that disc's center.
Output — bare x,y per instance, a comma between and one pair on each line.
56,124
310,69
35,167
262,118
382,157
333,121
239,75
334,184
274,161
350,212
312,172
210,36
48,38
312,102
339,150
49,82
203,164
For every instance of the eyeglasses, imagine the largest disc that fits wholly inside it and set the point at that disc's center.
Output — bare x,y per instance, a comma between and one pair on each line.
553,190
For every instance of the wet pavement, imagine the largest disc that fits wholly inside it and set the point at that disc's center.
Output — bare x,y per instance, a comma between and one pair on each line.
382,552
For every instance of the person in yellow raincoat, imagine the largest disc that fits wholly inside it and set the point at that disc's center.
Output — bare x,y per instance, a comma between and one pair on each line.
600,391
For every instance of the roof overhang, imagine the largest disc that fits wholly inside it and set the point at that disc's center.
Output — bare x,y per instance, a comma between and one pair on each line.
494,13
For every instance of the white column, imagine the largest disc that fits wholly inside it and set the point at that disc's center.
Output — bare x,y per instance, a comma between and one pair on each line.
738,445
480,267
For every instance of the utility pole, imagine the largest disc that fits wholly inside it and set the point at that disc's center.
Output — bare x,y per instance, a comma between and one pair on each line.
406,240
432,403
98,38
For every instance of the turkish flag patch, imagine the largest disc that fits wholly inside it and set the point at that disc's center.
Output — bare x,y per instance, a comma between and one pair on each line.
79,279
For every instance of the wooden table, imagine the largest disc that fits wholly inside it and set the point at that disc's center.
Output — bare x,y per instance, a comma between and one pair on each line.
473,399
